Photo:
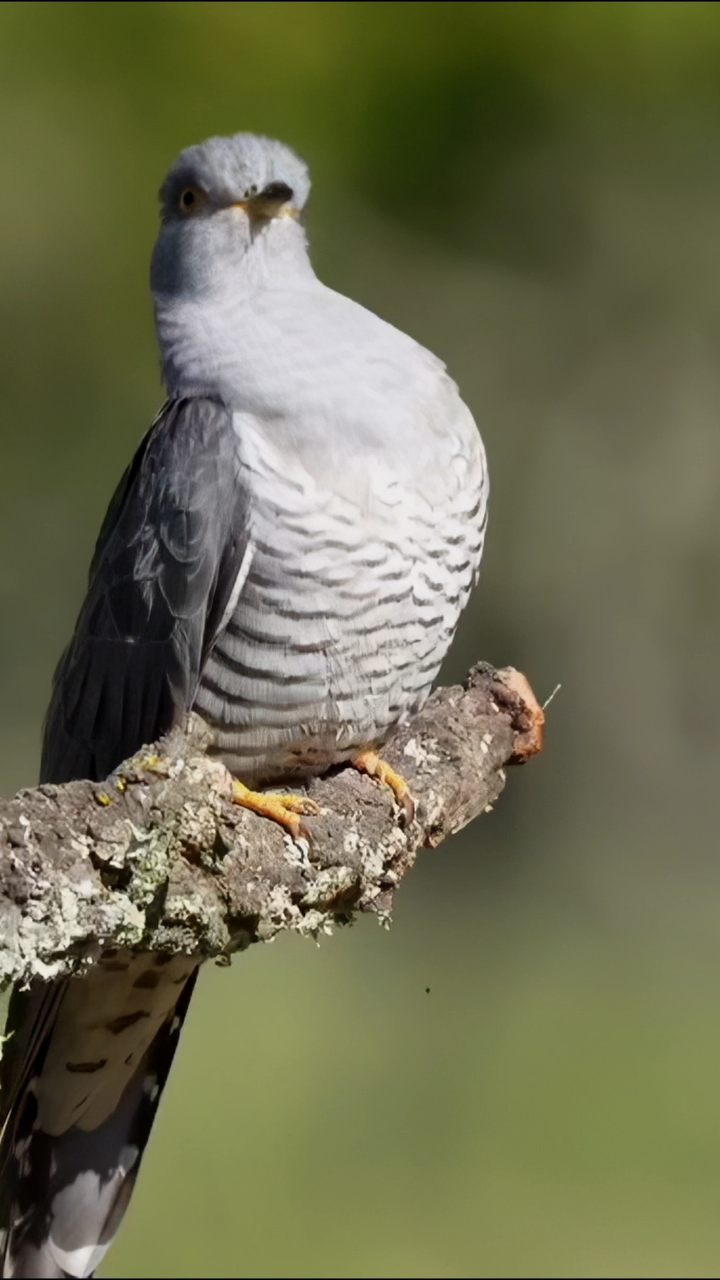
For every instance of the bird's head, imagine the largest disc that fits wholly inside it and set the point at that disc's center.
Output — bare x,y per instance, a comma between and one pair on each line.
219,199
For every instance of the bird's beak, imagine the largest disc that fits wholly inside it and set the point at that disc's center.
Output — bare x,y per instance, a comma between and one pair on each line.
274,201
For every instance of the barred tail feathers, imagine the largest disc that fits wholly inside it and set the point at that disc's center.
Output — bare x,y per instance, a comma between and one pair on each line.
84,1071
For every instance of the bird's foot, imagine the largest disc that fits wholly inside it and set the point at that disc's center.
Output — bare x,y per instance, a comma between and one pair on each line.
283,809
373,764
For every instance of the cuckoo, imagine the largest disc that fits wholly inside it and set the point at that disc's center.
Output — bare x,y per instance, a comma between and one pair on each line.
288,555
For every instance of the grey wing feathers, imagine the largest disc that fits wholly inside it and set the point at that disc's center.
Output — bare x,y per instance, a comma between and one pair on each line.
165,564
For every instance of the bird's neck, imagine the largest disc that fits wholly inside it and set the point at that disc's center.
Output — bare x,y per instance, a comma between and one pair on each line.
203,332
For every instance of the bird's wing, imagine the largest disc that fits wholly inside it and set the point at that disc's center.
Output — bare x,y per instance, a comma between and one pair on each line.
87,1057
166,562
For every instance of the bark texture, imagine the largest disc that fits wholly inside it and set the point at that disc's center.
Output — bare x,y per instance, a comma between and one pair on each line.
158,859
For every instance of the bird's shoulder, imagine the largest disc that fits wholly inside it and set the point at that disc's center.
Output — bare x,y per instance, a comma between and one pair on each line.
189,447
352,321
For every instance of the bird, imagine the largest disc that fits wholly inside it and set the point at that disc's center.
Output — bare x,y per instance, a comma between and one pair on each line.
287,556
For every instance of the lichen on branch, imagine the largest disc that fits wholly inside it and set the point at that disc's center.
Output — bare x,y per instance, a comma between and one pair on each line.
157,858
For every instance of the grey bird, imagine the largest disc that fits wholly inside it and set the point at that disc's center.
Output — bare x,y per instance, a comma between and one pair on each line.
288,554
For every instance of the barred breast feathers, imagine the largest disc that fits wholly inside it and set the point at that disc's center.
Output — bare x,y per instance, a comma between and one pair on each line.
367,492
349,604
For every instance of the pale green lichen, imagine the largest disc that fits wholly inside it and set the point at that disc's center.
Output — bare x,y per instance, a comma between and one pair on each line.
148,854
421,752
376,856
330,884
313,923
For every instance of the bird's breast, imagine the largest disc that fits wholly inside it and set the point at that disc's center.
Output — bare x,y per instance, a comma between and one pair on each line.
352,594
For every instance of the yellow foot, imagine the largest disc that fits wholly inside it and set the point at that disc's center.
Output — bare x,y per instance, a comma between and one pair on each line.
371,763
282,809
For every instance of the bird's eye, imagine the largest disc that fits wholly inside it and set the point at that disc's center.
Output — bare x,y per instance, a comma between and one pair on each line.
190,198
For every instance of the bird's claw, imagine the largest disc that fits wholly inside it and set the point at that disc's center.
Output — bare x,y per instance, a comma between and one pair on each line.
283,809
373,764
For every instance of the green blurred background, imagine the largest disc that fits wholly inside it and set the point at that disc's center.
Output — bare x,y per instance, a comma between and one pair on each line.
533,191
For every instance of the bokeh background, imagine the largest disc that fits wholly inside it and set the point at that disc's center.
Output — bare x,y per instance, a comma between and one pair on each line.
533,191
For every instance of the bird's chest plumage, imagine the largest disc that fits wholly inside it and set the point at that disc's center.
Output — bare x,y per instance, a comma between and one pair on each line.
351,590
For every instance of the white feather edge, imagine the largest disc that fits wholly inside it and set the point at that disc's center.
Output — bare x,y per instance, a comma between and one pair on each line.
237,586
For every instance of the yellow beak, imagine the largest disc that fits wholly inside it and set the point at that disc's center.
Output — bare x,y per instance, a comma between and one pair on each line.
261,206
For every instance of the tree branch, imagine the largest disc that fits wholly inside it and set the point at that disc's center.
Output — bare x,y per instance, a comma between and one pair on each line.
158,859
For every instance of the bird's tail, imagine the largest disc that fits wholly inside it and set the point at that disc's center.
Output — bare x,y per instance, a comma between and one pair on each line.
82,1074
